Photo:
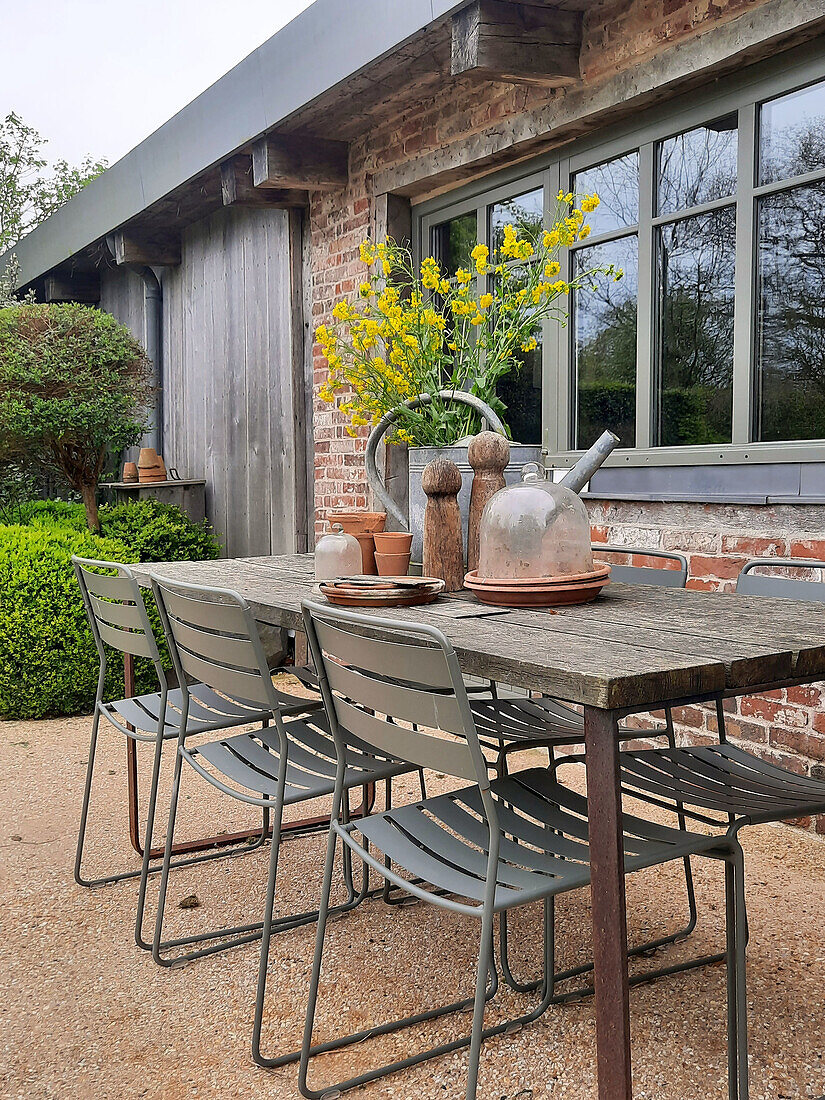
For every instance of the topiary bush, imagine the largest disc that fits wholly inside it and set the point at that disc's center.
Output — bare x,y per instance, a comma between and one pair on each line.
48,660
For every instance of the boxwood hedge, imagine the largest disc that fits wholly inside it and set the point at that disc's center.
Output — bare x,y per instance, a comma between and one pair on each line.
48,661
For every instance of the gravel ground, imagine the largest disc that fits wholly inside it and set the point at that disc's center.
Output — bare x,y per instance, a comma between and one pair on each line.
85,1014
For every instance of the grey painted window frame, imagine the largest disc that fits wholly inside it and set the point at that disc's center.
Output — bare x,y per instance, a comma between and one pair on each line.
741,94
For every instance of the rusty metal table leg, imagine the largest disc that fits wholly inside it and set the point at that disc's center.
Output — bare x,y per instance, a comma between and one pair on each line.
306,824
608,905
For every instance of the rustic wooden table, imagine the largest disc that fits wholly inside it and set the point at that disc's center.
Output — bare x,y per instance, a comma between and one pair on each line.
634,649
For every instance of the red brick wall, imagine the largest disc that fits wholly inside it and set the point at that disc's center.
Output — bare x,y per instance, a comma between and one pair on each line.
786,726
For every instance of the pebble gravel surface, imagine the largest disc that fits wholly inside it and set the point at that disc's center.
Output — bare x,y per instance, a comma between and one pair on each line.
85,1014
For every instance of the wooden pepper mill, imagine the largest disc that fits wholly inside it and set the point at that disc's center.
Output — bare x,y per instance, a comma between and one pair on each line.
488,454
443,542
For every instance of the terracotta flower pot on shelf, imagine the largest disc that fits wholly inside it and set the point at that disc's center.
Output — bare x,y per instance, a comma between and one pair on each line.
393,542
392,565
359,523
367,543
150,465
130,471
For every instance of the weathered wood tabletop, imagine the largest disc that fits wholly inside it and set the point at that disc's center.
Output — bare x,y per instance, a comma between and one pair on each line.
635,648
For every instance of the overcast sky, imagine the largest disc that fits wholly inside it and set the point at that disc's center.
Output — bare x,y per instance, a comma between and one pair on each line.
98,76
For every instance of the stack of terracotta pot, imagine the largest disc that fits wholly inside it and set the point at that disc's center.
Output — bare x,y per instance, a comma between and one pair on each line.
363,525
151,467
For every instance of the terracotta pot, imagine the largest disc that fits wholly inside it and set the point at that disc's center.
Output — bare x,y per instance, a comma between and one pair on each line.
359,523
392,565
393,542
367,544
130,471
150,465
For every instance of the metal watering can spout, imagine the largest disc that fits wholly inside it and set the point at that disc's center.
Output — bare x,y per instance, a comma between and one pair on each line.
589,462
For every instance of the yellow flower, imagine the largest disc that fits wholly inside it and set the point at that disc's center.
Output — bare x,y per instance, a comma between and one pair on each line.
551,269
365,290
477,320
444,286
560,287
341,311
485,301
480,254
367,253
386,267
463,276
584,232
552,237
590,203
529,345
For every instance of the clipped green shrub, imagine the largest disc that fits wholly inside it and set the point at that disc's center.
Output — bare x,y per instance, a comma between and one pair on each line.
48,660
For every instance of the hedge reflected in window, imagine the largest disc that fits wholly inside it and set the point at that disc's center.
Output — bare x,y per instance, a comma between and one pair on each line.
695,261
604,345
791,321
453,241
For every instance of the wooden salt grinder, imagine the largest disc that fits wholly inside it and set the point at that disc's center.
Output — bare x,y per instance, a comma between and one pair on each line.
488,454
443,544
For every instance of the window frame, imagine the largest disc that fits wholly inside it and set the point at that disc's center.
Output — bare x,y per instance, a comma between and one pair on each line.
741,94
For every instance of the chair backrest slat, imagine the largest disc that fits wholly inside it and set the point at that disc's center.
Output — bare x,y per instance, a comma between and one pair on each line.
369,689
750,583
645,574
408,704
127,641
114,605
393,661
213,638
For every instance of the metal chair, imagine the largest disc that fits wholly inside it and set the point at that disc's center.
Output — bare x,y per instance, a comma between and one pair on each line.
507,725
478,851
733,787
118,619
213,636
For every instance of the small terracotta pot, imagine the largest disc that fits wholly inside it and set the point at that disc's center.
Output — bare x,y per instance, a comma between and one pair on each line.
150,465
392,565
130,471
367,544
359,523
393,542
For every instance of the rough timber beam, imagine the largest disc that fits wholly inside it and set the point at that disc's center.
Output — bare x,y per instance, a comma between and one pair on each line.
300,161
155,252
237,188
517,43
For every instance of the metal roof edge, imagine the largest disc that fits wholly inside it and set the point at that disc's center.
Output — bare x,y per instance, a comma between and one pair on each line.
322,46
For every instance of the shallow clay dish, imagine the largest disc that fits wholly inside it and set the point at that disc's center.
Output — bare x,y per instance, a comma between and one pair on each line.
548,594
384,594
531,582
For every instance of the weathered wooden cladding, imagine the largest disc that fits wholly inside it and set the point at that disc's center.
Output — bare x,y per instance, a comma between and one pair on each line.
516,42
229,321
161,250
301,161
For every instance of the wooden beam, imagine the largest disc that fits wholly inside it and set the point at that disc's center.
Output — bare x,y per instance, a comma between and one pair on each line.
517,43
155,251
72,288
300,160
237,188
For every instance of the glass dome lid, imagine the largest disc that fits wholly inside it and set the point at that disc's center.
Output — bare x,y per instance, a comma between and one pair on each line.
535,528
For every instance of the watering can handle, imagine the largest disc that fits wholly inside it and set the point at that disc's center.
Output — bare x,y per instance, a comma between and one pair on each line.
387,421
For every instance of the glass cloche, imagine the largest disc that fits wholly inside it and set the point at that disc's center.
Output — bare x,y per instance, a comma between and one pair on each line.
535,528
337,555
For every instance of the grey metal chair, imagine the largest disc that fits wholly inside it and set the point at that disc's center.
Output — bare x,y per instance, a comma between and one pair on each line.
118,619
724,785
478,851
212,635
508,725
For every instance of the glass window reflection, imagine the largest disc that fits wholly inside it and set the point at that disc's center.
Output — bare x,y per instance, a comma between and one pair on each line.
617,185
604,345
791,317
525,212
792,134
696,262
454,240
698,166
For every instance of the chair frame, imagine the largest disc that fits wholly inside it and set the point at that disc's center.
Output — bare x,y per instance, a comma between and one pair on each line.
246,630
130,633
447,757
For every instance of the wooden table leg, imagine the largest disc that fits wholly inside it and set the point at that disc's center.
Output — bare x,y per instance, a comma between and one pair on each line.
608,905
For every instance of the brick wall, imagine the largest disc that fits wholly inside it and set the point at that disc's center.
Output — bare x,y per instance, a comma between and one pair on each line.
785,726
788,727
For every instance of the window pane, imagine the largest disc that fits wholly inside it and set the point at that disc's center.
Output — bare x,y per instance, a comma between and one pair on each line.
792,134
698,166
604,343
520,391
791,321
453,241
617,185
523,211
695,331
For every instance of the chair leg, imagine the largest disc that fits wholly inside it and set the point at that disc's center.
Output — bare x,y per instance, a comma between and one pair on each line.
477,1034
84,812
738,1087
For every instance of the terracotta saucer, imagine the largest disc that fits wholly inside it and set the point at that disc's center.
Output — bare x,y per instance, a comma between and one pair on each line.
537,595
530,582
384,594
